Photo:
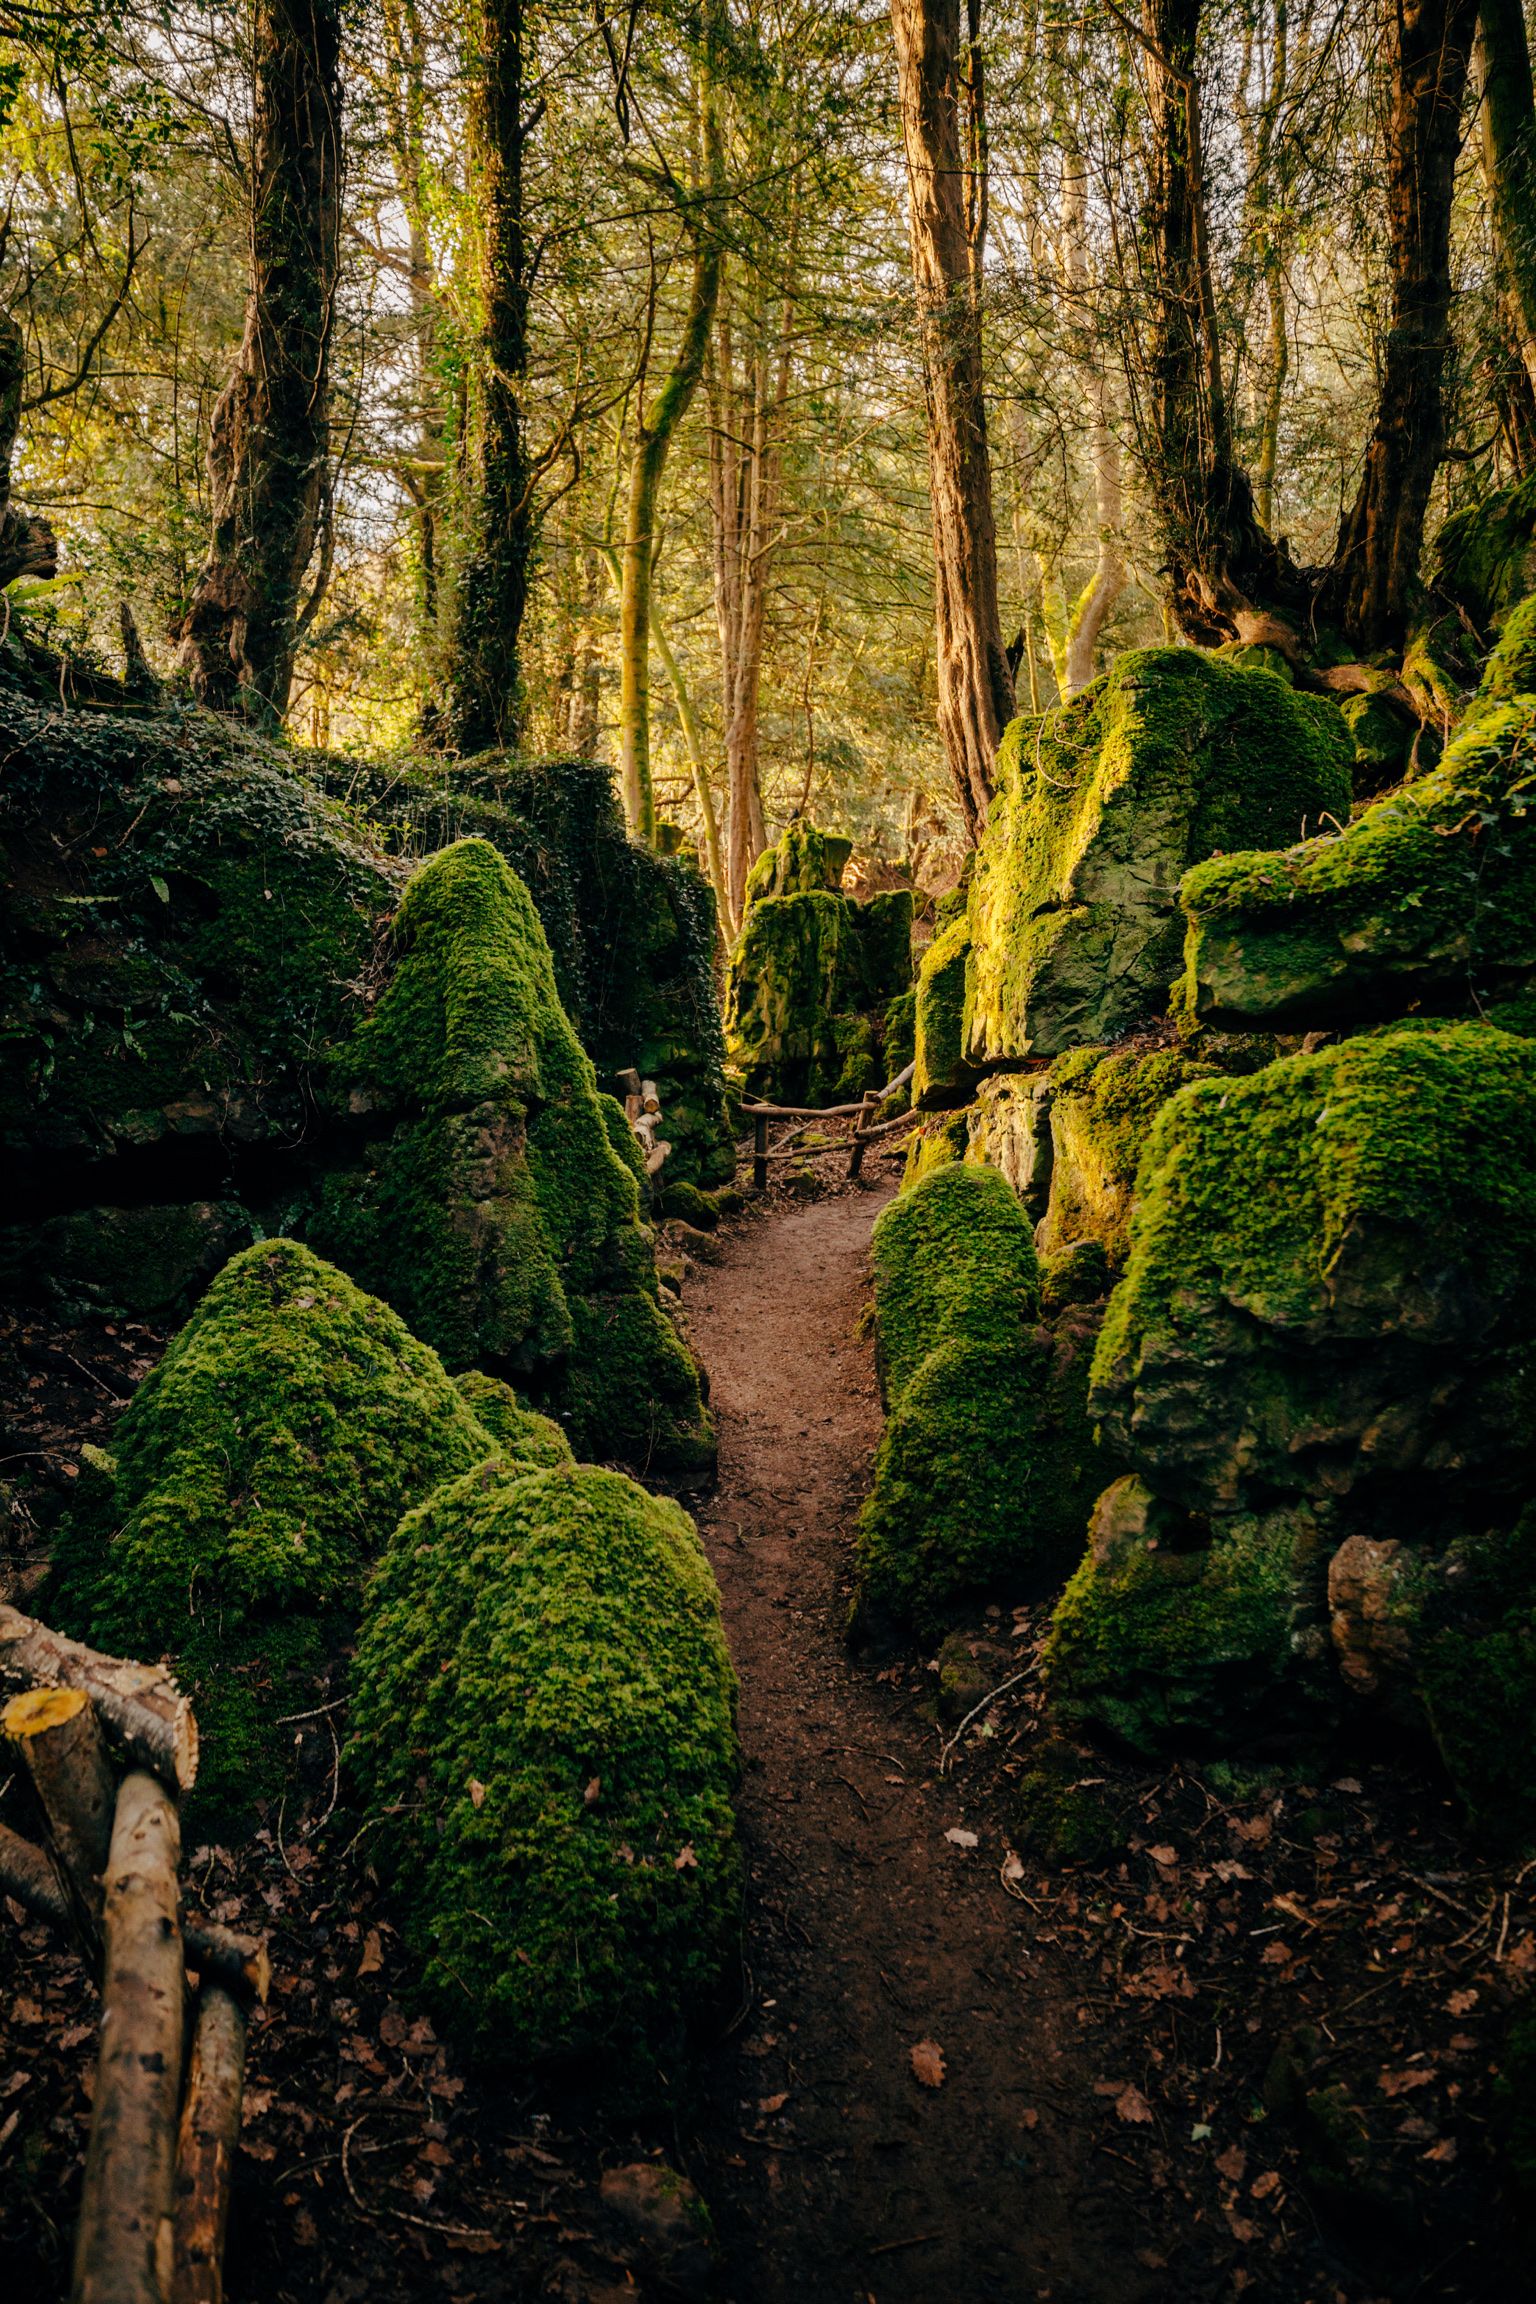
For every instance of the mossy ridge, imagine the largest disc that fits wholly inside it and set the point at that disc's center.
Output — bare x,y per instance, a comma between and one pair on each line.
1376,1193
1429,896
1102,804
544,1732
953,1257
498,1218
259,1468
941,1076
801,861
812,979
522,1435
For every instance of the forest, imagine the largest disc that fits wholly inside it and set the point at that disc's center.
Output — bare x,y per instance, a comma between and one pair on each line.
768,1117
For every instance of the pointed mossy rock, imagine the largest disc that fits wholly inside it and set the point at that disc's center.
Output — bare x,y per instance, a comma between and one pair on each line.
942,1076
498,1218
1102,805
1170,1635
987,1464
1426,899
1331,1288
523,1436
544,1735
801,861
259,1469
812,980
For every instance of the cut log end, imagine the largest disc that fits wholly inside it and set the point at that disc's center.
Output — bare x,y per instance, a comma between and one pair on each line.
41,1709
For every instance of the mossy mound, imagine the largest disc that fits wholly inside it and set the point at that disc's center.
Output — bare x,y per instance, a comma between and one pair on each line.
938,1045
1171,1634
522,1435
1102,806
1332,1281
1485,557
544,1733
813,979
497,1216
987,1465
1428,898
801,861
260,1467
1102,1102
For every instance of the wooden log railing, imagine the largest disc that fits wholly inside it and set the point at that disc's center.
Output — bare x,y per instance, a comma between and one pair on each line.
110,1746
761,1114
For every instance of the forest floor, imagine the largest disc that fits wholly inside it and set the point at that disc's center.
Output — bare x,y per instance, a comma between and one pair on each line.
1249,2048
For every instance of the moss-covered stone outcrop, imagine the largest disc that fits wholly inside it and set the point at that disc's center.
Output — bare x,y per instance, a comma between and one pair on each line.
1427,899
816,978
496,1216
1102,805
1485,556
259,1469
544,1731
941,1073
1102,1102
987,1464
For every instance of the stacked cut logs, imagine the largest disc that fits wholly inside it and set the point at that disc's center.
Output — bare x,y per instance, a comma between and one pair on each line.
110,1748
642,1109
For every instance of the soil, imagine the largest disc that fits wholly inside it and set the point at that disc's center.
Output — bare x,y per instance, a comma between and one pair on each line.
1248,2045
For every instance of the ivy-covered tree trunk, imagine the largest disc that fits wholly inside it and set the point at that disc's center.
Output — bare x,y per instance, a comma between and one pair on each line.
975,685
269,449
1376,565
483,684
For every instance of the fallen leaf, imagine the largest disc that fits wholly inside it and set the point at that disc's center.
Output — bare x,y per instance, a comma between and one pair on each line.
1164,1855
1459,2002
1398,2083
593,1792
766,2104
685,1859
1132,2107
1232,2163
962,1838
1262,2186
928,2064
1240,2228
1348,1784
476,1793
1444,2151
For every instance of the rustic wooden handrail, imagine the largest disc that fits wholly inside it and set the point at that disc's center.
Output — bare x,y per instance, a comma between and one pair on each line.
761,1114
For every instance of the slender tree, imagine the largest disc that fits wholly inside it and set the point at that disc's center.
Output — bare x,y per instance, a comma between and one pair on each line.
268,455
975,686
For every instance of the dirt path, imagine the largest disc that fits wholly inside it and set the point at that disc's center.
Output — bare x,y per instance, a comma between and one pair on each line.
833,2175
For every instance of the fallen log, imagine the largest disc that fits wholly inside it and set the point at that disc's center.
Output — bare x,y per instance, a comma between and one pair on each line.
140,1704
125,2244
56,1732
206,2147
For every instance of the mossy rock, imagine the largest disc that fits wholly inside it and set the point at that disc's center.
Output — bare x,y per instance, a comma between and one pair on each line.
139,1262
1173,1633
686,1204
259,1469
1473,1652
1060,1811
801,862
1102,1102
1331,1287
1427,899
523,1436
953,1259
1080,1274
498,1217
544,1733
812,979
1009,1129
938,1144
1382,733
941,1076
1102,805
1485,557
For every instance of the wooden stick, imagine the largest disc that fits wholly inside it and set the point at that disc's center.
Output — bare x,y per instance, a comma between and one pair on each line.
871,1105
759,1152
826,1111
140,1704
239,1963
205,2152
125,2243
56,1731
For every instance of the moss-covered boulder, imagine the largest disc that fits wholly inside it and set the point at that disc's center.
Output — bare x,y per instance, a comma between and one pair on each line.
1102,1102
942,1076
987,1464
1485,556
259,1469
1102,806
1331,1288
1426,899
801,861
813,979
496,1215
1173,1632
521,1434
1009,1129
544,1733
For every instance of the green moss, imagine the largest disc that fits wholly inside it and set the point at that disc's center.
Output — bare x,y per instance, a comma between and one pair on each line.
938,1044
544,1731
523,1436
1102,804
139,1262
1382,735
260,1467
953,1258
802,862
1474,1654
811,978
631,1390
1332,1278
1080,1274
899,1031
1483,556
1511,669
1161,1645
1060,1817
1428,897
688,1205
1102,1104
939,1143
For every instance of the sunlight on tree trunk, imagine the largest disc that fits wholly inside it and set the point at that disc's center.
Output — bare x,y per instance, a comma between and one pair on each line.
1508,125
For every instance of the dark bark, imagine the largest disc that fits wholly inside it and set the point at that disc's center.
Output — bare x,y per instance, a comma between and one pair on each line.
1509,147
947,217
1375,573
483,683
27,544
270,444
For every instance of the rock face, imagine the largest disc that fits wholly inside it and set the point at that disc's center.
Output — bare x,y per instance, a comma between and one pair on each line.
1100,1104
816,1001
1428,898
1102,806
987,1464
259,1469
496,1215
544,1731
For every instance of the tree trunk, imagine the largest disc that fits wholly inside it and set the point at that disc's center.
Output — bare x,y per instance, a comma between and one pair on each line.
404,95
270,441
654,435
1376,565
484,688
56,1732
975,686
206,2146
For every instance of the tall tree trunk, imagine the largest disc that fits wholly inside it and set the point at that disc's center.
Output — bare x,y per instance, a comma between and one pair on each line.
654,435
1508,122
404,93
975,686
269,448
484,689
1376,565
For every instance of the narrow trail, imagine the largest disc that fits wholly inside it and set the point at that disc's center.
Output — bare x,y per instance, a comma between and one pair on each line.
834,2176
